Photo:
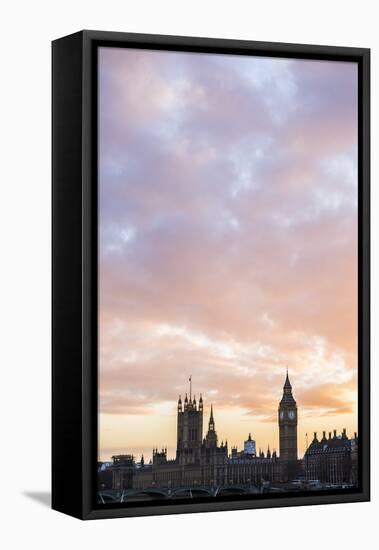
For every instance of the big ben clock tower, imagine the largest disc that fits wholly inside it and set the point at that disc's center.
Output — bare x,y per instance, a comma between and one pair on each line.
287,424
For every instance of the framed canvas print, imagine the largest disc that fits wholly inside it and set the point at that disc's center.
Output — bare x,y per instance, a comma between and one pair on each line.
210,275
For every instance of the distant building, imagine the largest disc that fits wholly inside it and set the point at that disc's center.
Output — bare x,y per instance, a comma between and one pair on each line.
332,460
123,470
189,431
249,446
203,462
287,417
104,475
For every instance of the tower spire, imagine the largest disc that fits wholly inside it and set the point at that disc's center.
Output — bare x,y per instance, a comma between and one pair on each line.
190,387
201,403
211,421
287,383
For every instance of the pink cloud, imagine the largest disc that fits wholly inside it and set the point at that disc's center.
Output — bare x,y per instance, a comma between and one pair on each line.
234,228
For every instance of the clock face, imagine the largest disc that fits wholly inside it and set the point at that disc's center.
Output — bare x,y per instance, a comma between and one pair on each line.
291,415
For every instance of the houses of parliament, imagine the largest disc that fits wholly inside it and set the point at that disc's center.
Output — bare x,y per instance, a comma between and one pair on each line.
202,461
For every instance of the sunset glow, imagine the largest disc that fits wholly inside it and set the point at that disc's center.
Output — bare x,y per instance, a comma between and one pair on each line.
227,244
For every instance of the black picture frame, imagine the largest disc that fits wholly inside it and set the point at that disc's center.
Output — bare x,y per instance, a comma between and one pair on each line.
74,270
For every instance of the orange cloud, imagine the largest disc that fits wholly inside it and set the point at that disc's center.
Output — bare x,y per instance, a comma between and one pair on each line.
228,237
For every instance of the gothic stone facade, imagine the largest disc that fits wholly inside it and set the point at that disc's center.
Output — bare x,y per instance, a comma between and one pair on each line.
204,462
332,460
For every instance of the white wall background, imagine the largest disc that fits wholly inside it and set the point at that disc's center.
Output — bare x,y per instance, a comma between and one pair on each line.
26,31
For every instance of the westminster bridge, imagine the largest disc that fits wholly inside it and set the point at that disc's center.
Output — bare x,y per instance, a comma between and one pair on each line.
132,495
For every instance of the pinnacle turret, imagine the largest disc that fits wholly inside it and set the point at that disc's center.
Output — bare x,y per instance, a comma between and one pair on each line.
287,383
211,421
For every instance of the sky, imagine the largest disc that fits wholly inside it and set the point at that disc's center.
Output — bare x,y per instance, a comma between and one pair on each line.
227,244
